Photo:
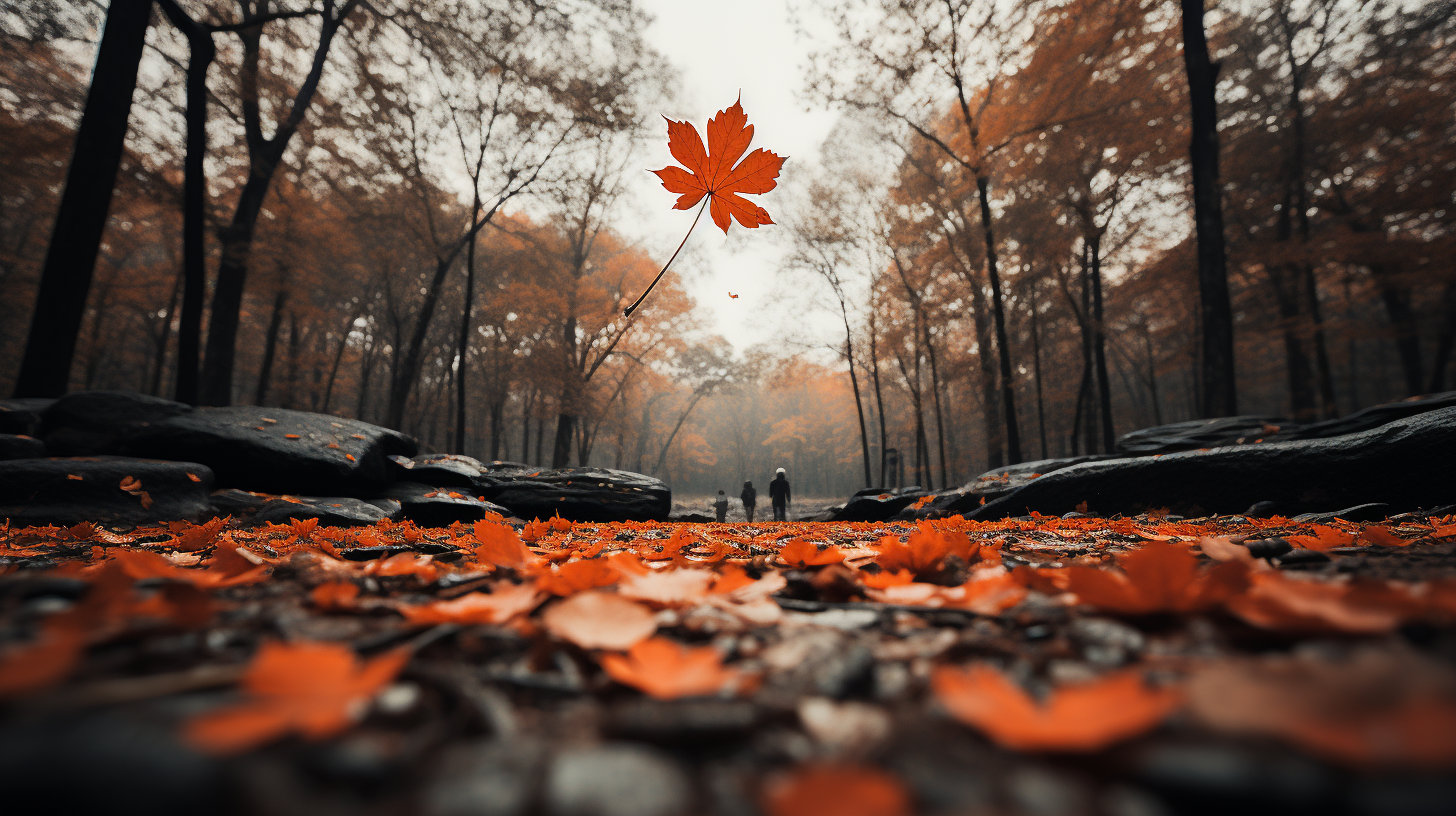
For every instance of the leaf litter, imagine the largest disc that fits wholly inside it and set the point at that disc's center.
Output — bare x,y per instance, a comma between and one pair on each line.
1036,636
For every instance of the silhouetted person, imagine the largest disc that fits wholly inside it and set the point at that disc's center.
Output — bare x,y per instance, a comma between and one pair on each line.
778,493
750,499
721,506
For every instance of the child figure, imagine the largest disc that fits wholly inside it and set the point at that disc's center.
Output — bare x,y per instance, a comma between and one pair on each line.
721,506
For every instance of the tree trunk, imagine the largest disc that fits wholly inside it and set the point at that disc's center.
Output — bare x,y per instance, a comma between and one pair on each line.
159,359
270,346
1326,378
1099,347
465,328
864,438
879,395
1397,300
1152,375
935,398
334,366
202,52
1036,373
1220,397
70,262
408,372
366,369
1003,346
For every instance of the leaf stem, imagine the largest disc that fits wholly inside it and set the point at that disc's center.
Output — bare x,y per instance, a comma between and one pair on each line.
627,312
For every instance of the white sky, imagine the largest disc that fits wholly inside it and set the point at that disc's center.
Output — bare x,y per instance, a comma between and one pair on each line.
718,49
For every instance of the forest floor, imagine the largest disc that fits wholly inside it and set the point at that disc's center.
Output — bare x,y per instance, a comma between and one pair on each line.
1124,666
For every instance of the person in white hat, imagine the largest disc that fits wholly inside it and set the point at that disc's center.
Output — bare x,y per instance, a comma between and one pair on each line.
778,492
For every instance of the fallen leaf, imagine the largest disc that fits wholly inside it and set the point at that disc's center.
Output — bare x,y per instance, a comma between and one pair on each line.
925,551
1157,577
666,670
499,546
576,576
1324,538
1383,537
1289,604
599,620
315,690
802,553
334,596
837,790
1079,718
505,601
667,587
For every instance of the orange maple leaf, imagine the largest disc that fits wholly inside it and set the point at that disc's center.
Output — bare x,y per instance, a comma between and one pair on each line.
315,690
1158,577
802,553
499,546
1084,717
599,620
1324,538
926,550
667,670
712,172
576,576
505,601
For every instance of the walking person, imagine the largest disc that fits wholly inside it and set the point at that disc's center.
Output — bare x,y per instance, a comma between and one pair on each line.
721,507
750,499
778,493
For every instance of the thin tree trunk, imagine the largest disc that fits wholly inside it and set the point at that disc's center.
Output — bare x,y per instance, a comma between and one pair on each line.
465,328
70,262
879,395
366,369
159,359
202,52
1445,339
1036,373
935,396
864,438
1152,375
270,346
1398,309
334,366
1099,346
1003,346
1220,396
1326,378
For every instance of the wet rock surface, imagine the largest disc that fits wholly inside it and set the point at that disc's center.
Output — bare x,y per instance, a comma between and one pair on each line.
92,423
117,489
17,446
579,494
22,416
1401,464
430,506
277,450
336,511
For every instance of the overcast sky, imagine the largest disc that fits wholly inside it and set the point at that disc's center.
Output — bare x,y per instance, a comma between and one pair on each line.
719,49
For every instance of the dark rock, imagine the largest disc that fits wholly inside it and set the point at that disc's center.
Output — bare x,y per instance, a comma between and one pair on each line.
453,470
1372,417
579,494
692,518
1201,433
277,450
1370,511
877,504
1214,778
441,506
333,511
990,485
617,779
1403,464
92,423
239,504
1262,509
14,446
70,491
22,416
1268,547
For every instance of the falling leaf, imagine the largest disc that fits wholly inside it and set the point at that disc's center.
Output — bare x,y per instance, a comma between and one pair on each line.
599,620
505,601
712,173
315,690
666,670
731,295
837,790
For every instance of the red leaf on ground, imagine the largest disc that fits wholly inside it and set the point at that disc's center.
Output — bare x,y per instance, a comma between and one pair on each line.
576,576
1086,717
599,620
315,690
802,553
1324,538
666,670
505,601
499,546
1157,577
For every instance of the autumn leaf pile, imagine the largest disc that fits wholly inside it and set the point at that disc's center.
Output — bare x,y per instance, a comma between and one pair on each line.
641,609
